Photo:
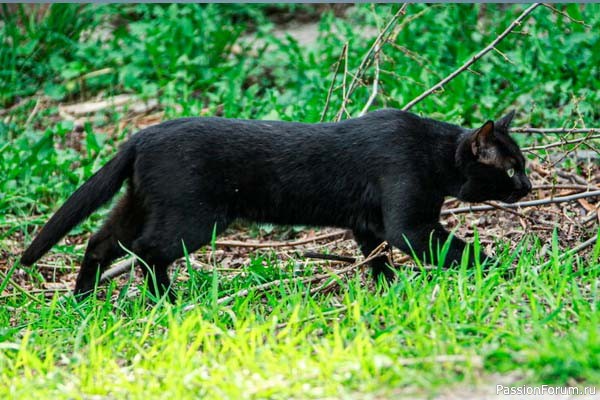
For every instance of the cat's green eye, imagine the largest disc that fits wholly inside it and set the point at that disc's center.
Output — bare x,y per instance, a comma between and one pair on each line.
510,172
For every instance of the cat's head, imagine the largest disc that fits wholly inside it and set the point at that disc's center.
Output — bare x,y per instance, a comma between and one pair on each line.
492,164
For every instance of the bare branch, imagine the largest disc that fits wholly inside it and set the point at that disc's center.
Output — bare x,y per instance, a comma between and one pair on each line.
555,130
473,59
561,143
522,204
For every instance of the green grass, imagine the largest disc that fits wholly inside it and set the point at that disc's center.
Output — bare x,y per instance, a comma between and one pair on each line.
286,342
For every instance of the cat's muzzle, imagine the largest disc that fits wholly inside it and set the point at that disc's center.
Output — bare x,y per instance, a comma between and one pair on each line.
520,192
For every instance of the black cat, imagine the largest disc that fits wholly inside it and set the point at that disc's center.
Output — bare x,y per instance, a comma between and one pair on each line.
383,175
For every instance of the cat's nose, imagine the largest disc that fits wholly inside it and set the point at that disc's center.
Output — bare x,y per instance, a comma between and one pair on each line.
527,185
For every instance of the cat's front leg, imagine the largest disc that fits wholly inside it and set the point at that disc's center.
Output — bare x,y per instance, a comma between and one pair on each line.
411,212
426,241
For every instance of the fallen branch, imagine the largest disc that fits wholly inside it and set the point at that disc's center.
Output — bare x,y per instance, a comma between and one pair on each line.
23,102
126,265
569,175
265,286
473,59
119,268
582,246
330,257
258,245
522,204
89,107
508,210
346,259
572,186
33,292
33,112
77,112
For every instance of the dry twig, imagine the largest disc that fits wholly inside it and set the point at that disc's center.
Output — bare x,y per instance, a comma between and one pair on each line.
508,210
555,130
343,56
33,112
368,59
329,257
118,269
582,246
577,145
126,265
19,288
375,84
560,143
564,14
313,317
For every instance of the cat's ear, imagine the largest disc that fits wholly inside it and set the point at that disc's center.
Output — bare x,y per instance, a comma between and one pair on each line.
504,122
483,144
482,138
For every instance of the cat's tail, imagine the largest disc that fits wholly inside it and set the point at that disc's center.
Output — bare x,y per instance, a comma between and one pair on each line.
100,188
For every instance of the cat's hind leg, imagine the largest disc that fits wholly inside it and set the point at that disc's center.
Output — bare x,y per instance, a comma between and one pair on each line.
162,241
120,229
367,242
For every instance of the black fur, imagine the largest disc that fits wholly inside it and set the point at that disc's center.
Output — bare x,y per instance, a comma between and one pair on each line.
383,175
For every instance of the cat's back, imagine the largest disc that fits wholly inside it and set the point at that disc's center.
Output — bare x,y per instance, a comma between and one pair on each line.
376,129
385,119
207,125
404,124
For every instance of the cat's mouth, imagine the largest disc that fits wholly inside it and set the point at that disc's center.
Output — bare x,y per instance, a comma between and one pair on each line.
511,199
514,197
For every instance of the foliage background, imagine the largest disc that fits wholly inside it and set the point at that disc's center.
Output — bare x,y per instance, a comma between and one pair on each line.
237,61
